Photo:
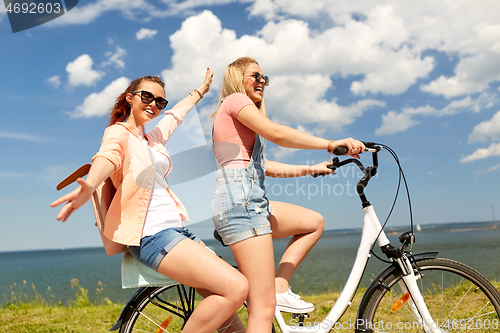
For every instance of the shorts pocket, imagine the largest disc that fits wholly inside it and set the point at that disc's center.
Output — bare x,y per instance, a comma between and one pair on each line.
219,209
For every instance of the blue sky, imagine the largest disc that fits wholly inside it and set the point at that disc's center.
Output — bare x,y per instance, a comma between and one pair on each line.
422,77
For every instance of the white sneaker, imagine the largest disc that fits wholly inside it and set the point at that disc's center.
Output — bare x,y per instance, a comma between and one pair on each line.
290,302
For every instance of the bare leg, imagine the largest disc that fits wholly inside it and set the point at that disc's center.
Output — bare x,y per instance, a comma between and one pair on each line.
192,264
233,324
306,227
255,260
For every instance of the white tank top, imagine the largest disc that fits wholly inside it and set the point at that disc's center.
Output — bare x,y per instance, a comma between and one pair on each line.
162,212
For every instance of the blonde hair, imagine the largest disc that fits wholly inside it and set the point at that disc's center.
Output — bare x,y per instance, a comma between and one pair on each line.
232,82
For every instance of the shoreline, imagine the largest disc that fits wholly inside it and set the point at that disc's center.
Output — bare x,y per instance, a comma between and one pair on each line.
390,231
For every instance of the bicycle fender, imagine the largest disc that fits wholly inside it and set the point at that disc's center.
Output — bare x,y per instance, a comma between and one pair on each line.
386,272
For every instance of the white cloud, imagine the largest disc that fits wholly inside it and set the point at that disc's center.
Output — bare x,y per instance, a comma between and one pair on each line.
145,34
380,41
54,81
187,7
393,73
393,122
268,8
375,48
490,169
135,10
482,153
199,43
468,30
116,58
300,100
432,24
472,75
293,99
80,72
381,47
487,130
98,104
280,154
88,13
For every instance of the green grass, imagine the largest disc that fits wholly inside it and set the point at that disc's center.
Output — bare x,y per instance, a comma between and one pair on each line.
92,318
28,310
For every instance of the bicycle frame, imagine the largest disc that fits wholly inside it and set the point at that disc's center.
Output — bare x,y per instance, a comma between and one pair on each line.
371,232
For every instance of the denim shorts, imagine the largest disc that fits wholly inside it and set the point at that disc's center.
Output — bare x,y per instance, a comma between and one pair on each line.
154,248
240,209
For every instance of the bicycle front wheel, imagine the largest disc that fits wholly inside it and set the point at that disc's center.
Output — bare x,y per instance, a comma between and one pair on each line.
168,308
459,299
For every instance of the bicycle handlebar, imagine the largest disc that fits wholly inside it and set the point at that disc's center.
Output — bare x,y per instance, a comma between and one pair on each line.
368,172
342,150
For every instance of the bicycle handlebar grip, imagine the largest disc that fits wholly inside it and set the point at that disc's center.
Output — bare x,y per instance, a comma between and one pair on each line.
343,150
340,150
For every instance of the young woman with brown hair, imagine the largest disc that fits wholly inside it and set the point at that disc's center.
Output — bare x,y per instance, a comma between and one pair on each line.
144,214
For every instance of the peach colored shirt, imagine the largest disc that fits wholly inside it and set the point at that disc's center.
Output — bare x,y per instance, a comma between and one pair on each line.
233,141
134,175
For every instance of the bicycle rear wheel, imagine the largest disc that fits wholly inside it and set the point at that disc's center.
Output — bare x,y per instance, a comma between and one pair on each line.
459,299
167,309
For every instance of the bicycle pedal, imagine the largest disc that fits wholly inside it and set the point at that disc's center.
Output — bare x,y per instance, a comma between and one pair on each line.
298,315
301,317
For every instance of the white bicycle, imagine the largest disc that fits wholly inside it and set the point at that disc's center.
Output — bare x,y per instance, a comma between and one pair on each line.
415,293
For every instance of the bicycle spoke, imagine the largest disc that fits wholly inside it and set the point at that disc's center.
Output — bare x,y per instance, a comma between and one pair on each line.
458,298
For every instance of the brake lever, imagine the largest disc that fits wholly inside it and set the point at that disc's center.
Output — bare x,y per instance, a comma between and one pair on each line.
372,148
375,149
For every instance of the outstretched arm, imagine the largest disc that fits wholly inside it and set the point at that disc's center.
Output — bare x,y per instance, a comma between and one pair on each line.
289,137
100,170
175,116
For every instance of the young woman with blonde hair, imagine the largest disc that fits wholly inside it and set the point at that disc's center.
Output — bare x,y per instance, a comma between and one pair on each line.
241,212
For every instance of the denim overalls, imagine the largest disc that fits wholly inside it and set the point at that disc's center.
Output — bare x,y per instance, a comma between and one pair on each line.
240,209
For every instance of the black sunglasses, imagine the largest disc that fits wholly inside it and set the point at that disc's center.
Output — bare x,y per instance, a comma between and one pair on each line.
259,78
147,98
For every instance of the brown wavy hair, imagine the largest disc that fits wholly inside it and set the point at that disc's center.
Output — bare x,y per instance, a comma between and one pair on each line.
121,110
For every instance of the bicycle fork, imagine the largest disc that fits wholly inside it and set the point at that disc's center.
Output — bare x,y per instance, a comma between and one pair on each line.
416,301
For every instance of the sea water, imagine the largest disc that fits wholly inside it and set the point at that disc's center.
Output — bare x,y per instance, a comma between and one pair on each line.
326,267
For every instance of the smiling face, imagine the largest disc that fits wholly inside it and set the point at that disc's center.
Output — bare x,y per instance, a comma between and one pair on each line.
253,89
141,113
